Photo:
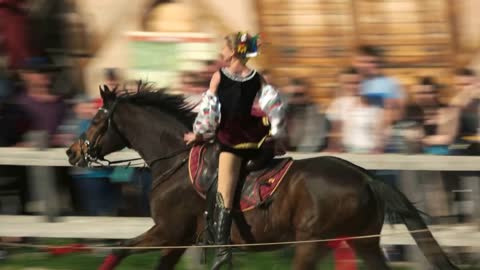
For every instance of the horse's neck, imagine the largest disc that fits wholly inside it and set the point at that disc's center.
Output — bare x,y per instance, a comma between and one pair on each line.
153,134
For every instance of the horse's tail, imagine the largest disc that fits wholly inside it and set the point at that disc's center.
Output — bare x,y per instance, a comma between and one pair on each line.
396,205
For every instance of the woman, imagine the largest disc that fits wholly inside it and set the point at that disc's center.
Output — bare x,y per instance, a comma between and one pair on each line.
357,125
439,121
438,126
467,102
339,109
226,114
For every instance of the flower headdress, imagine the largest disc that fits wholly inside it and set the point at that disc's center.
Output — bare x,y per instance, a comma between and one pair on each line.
247,46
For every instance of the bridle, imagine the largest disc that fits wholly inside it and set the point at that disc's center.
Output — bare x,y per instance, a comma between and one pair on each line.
90,154
90,148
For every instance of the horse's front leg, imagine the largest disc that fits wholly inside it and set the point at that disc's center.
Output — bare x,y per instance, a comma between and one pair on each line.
154,237
150,238
169,259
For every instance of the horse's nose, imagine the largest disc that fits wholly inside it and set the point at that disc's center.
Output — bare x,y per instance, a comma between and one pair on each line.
69,152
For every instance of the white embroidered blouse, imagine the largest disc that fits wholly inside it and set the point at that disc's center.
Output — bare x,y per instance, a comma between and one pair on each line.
270,101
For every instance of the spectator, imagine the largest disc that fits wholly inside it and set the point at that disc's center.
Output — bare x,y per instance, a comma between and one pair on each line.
304,125
357,124
93,190
467,101
379,89
14,123
44,109
339,108
439,121
112,78
13,119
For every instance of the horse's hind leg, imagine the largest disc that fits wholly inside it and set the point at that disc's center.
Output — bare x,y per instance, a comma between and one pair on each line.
169,259
369,250
307,255
147,239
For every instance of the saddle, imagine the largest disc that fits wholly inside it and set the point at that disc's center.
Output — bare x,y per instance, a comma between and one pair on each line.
256,184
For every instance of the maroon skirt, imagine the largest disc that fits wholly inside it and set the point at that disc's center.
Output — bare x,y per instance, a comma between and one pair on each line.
243,132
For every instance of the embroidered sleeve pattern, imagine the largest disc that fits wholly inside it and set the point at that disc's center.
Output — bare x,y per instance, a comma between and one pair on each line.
208,116
271,103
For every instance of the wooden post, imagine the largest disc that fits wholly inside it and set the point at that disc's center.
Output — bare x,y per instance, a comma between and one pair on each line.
472,185
410,187
476,200
41,182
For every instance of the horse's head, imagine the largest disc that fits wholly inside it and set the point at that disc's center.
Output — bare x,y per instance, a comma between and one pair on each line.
102,137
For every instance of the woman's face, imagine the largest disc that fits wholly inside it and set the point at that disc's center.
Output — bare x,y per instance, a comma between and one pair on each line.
227,53
367,65
350,83
424,94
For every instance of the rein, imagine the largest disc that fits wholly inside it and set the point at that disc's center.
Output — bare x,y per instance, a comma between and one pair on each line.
168,173
149,163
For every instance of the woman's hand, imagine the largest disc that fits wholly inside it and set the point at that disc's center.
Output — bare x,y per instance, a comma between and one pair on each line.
436,140
191,138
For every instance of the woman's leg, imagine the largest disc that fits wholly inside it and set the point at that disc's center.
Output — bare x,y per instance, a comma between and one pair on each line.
228,173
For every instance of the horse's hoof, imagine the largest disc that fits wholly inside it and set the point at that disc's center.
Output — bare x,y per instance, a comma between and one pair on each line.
110,262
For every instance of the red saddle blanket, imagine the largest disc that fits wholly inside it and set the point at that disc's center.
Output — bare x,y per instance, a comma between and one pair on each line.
256,187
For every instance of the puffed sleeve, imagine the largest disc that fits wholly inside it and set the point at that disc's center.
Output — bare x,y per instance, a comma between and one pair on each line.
272,104
208,117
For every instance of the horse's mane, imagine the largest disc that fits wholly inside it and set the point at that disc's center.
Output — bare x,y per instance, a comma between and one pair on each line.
159,98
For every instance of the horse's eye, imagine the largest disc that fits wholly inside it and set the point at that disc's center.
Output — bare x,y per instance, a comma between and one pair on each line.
96,120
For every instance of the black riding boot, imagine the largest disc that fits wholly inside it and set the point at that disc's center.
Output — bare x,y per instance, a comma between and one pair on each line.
222,235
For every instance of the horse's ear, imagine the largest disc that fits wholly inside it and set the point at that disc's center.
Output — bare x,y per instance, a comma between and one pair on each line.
106,94
102,92
106,89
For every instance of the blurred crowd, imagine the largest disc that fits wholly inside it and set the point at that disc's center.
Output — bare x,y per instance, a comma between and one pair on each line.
370,113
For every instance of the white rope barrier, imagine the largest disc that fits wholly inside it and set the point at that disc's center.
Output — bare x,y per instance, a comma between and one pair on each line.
284,243
57,157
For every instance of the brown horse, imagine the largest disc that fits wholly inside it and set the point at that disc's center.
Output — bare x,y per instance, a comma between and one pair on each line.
322,197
